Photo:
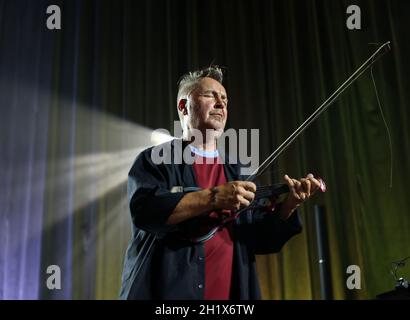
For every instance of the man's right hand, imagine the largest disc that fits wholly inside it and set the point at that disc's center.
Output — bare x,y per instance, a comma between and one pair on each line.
229,196
233,195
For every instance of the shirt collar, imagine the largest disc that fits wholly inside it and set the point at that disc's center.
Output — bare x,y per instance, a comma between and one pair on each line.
203,153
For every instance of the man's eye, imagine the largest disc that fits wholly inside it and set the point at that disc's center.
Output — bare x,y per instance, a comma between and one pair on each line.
208,95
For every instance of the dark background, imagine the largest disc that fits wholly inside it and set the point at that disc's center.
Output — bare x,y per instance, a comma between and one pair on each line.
77,105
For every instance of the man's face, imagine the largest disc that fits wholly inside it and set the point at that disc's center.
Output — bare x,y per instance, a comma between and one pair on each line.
207,107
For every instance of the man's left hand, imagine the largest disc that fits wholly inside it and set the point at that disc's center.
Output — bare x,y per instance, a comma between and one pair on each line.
299,191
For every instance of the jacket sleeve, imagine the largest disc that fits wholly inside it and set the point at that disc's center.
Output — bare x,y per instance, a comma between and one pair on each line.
264,232
150,200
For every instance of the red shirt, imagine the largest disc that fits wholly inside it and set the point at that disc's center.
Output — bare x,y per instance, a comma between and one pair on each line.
219,249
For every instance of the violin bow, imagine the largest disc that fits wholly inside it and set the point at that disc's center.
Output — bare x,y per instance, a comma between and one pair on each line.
383,49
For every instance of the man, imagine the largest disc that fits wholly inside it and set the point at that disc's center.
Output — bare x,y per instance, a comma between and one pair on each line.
165,259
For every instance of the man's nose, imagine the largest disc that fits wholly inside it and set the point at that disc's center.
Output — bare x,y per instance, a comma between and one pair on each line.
219,103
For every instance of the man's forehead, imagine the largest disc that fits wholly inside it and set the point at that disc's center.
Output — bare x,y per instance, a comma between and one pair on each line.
211,84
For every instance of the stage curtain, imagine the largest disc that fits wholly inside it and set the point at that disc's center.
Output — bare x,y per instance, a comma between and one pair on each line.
68,96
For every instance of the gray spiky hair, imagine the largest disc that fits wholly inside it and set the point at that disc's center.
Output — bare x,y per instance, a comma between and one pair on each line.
188,81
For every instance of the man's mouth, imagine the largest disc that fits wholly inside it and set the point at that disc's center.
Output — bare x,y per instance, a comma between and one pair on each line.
219,115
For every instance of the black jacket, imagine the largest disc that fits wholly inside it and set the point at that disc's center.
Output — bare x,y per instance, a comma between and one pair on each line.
160,266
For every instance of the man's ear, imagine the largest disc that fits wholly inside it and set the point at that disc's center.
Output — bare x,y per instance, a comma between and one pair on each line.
182,106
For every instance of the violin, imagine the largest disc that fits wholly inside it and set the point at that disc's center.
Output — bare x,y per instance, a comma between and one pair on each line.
203,228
